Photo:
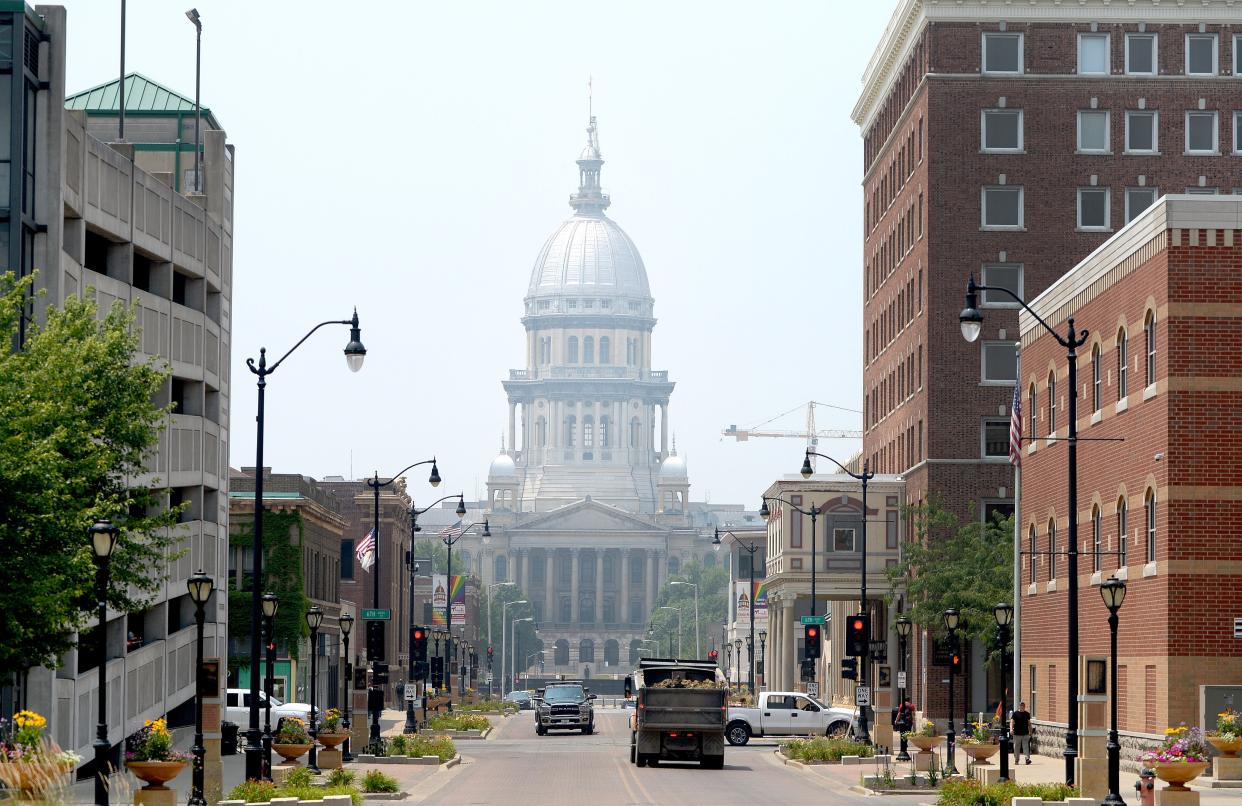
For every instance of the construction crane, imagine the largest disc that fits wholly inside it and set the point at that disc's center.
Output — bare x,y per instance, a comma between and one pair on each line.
811,434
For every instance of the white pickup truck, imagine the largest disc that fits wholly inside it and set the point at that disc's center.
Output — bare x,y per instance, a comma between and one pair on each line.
787,713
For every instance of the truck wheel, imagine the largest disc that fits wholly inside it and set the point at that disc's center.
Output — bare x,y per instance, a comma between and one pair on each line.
738,733
633,754
641,760
838,729
587,730
541,730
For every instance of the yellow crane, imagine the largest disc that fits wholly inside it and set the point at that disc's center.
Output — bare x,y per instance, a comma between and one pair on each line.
811,434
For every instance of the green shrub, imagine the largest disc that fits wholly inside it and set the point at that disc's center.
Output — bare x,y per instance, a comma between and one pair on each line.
490,707
825,749
299,776
341,777
972,793
458,721
397,746
376,781
440,746
254,791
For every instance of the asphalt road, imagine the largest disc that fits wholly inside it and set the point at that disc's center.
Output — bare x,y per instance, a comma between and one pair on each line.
568,769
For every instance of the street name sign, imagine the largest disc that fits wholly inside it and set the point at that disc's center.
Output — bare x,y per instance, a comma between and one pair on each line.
376,615
901,680
814,619
862,695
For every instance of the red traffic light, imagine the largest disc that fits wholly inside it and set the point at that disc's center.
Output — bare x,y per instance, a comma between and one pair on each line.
489,651
419,634
857,624
812,632
713,654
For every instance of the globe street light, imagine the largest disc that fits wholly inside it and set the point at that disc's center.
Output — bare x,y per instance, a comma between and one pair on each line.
354,355
271,605
904,627
200,586
314,618
971,320
951,618
1114,593
752,547
103,536
347,626
505,660
1003,613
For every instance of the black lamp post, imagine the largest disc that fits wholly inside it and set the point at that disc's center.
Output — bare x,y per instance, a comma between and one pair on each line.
763,638
314,617
347,626
200,586
737,660
103,541
1004,617
271,605
752,547
728,662
951,619
971,320
354,355
864,662
904,627
1114,592
449,540
193,16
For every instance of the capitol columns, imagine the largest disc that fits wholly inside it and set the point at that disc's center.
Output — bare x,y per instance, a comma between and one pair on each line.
623,606
512,426
599,586
574,594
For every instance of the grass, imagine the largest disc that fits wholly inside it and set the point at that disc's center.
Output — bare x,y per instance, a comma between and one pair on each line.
376,781
263,791
458,721
825,749
490,707
972,793
441,747
342,777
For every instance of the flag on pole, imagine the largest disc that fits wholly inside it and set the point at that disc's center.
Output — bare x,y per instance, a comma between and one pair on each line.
1015,430
453,531
365,552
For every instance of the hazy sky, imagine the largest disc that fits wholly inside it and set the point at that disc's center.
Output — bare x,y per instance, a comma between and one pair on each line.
410,158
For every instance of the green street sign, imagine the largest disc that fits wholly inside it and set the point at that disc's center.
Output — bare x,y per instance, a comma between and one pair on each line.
812,619
376,615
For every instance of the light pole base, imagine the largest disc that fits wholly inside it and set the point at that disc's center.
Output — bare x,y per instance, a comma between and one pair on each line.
411,719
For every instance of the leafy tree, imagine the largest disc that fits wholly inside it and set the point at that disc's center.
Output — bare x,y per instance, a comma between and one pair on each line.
954,564
713,607
434,548
283,534
76,423
525,633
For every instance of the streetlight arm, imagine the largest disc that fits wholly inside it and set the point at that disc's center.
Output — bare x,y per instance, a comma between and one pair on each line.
433,504
375,482
1075,339
789,504
866,474
265,370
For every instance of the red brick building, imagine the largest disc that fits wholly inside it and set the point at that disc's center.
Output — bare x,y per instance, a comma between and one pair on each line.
1162,300
1008,141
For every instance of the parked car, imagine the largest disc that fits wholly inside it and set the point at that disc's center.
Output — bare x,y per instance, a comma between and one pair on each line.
562,706
237,708
787,713
524,701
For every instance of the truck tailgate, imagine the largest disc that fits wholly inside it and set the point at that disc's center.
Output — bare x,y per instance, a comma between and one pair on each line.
681,709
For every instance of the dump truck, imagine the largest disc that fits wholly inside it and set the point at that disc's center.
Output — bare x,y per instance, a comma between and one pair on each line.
679,713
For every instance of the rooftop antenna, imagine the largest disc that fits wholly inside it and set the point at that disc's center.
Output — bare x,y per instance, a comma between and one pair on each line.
590,97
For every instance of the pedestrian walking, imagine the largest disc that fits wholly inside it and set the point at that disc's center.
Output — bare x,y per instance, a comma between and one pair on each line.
1021,723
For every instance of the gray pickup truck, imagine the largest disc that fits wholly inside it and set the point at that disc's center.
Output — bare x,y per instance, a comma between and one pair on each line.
678,717
564,706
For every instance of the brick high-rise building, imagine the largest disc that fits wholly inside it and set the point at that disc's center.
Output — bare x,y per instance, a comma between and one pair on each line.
1008,141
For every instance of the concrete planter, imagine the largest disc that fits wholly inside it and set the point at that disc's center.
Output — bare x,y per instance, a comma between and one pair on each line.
364,758
462,735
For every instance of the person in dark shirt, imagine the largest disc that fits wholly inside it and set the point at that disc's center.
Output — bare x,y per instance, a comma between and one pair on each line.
1021,722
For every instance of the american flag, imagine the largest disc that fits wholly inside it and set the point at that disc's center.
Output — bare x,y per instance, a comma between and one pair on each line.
454,530
1015,430
365,552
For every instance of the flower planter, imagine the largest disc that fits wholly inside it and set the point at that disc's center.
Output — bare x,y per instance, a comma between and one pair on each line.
1228,748
33,777
1177,774
155,773
924,743
331,740
291,752
980,752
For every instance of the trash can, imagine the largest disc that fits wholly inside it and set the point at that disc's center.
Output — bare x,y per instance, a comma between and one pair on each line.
228,738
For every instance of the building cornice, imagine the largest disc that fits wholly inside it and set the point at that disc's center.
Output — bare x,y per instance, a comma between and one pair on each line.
604,321
912,16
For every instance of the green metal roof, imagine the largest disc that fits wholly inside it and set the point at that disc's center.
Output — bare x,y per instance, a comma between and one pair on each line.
142,95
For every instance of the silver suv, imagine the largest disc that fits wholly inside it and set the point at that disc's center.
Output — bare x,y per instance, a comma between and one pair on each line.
564,706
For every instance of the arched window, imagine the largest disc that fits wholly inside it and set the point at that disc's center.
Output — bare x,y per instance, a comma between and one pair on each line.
1052,549
1149,332
588,350
1123,366
1149,505
571,423
1096,379
1033,408
560,653
605,350
500,568
588,432
612,652
1096,537
1123,535
586,651
1030,547
1052,403
572,357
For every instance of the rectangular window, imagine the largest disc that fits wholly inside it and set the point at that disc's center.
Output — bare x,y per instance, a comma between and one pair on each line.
996,438
347,559
1004,275
1237,55
1201,54
1002,53
843,540
1052,550
1142,132
1093,131
1201,131
1138,200
1151,527
890,529
1096,537
1001,129
1237,132
1030,547
1093,54
795,529
1000,362
1123,368
1198,191
1093,204
1002,207
1123,537
1141,54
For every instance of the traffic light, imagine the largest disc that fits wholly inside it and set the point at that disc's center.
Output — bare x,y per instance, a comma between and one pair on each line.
419,643
849,668
811,635
437,671
490,651
712,655
857,635
955,662
375,640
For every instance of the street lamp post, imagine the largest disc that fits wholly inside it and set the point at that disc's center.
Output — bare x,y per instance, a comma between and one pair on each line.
200,586
490,588
864,662
354,355
1114,592
1004,617
271,605
763,669
347,626
737,660
728,661
193,16
670,637
698,649
314,618
971,320
951,619
513,651
505,661
750,659
449,540
752,547
903,634
103,536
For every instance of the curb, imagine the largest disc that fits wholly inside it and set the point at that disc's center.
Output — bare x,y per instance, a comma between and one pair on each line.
385,795
452,762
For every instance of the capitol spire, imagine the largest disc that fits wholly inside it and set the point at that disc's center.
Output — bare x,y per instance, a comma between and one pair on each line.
590,200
